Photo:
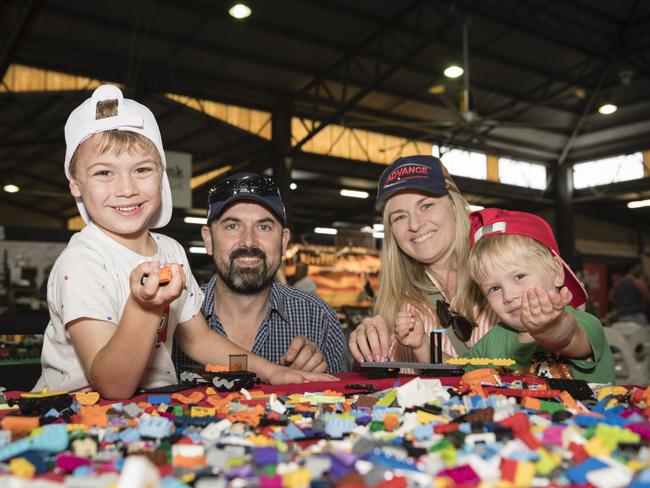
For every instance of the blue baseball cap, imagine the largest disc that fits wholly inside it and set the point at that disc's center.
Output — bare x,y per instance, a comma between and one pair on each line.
423,173
245,187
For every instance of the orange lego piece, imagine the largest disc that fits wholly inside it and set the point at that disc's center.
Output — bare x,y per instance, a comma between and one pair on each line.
165,275
568,400
216,368
195,397
479,376
94,415
531,403
87,398
391,422
19,424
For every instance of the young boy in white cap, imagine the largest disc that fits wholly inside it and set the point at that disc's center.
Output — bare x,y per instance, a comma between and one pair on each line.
515,260
110,329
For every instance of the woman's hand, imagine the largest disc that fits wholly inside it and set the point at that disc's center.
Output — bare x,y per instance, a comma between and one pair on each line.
409,328
371,340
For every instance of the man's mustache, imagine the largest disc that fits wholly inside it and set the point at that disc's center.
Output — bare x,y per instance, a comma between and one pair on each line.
247,252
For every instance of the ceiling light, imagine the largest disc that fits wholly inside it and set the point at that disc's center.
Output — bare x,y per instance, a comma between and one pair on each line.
474,208
293,186
198,250
437,89
240,11
325,230
11,188
195,220
638,204
354,193
453,71
378,227
607,108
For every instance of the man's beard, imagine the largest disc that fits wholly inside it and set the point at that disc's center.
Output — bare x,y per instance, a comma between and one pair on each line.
245,280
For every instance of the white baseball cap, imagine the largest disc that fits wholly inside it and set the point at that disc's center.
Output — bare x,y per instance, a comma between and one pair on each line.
132,117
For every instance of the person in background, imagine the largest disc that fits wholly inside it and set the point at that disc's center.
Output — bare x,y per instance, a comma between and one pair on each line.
246,235
630,296
303,281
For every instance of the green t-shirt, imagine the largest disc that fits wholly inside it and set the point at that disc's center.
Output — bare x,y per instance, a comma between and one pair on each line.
502,342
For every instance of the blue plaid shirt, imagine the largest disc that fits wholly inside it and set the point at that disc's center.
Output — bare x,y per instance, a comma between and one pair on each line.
291,313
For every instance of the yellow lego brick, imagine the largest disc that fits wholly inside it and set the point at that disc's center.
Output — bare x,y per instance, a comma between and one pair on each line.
547,462
597,446
387,400
426,417
503,362
611,390
524,473
22,468
611,435
458,361
203,412
300,478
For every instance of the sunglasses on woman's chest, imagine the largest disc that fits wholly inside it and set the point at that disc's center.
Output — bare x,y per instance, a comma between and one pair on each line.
461,326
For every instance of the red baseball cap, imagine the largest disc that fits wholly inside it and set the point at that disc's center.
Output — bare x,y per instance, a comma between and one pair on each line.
493,221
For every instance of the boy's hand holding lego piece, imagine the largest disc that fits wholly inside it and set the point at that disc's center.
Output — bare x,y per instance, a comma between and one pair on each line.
157,289
409,328
281,375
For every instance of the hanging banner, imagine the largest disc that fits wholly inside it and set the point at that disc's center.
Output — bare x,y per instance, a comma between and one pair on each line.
179,172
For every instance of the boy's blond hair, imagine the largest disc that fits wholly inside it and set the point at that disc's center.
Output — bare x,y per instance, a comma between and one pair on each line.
509,248
116,141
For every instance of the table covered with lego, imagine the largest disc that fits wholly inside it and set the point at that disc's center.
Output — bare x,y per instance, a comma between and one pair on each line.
405,431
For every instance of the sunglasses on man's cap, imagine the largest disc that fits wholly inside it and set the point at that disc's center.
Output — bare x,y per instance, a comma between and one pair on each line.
245,186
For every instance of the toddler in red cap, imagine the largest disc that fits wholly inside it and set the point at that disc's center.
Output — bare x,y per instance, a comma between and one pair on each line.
514,259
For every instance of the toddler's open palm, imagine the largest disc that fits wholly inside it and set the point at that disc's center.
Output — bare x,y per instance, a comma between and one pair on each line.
540,307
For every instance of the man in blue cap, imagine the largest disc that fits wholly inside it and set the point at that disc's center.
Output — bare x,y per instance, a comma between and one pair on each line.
246,235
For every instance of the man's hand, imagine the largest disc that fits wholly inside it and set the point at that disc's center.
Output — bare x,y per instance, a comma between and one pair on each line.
371,340
150,295
304,354
541,309
285,376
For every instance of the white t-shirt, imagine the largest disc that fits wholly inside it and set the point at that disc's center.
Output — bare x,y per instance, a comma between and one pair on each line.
90,279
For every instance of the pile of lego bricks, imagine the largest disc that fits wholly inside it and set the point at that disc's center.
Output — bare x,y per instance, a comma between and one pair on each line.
386,433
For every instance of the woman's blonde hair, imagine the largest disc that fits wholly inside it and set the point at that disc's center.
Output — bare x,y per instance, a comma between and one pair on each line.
403,279
508,248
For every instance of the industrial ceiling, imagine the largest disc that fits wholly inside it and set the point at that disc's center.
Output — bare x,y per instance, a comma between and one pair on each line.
536,71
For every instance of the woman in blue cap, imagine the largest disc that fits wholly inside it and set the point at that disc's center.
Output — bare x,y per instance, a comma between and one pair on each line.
424,265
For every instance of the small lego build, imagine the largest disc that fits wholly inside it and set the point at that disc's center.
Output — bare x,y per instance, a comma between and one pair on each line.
40,402
231,377
436,368
391,369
